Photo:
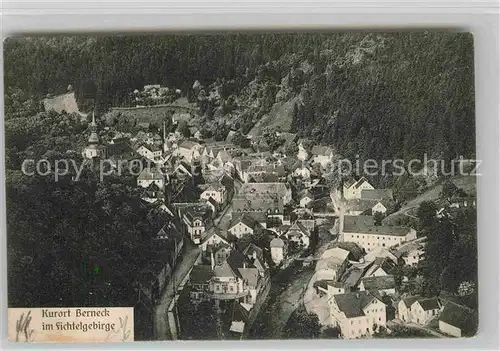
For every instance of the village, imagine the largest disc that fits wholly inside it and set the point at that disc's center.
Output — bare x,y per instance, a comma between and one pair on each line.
240,215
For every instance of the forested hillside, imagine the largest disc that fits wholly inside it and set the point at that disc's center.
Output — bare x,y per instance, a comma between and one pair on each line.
376,95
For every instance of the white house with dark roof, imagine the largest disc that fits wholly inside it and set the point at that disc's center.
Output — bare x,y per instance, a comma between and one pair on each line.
152,152
212,238
411,253
217,192
358,314
189,150
243,225
404,308
352,190
151,175
383,284
424,310
363,231
278,250
322,155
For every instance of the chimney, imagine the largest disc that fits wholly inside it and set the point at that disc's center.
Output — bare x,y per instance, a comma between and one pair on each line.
212,260
244,265
254,255
357,295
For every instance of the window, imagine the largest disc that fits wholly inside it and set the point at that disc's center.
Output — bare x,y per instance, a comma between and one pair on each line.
379,318
351,322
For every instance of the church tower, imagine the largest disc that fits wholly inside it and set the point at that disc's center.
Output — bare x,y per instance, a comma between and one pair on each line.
93,148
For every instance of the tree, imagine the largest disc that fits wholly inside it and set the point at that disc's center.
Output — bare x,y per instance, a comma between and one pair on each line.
377,218
302,325
426,213
449,189
183,128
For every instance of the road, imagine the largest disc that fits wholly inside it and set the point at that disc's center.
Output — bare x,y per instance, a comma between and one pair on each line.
189,257
415,326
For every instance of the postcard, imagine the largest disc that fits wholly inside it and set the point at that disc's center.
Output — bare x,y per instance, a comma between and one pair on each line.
274,185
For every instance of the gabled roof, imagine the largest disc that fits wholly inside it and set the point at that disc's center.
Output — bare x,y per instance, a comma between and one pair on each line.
215,231
429,303
250,275
151,174
408,301
459,316
251,248
298,229
360,182
353,303
379,283
188,144
201,274
245,219
366,225
376,194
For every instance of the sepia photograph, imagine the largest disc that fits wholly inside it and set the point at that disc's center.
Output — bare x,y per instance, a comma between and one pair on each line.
241,186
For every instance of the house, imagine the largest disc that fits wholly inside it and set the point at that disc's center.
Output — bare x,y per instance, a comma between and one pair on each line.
236,279
376,194
332,264
189,150
404,308
263,209
356,207
255,255
322,155
302,154
180,116
355,252
151,175
213,237
457,320
217,192
379,207
411,253
383,284
382,266
173,238
424,310
358,314
151,152
243,225
298,234
363,231
268,190
380,252
306,197
196,219
278,250
352,190
199,282
153,194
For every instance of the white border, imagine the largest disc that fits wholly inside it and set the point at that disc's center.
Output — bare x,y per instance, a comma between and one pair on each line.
478,17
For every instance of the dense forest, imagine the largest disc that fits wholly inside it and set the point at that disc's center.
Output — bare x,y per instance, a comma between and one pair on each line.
379,95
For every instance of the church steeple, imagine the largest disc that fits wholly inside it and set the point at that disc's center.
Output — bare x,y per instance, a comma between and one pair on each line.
94,137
